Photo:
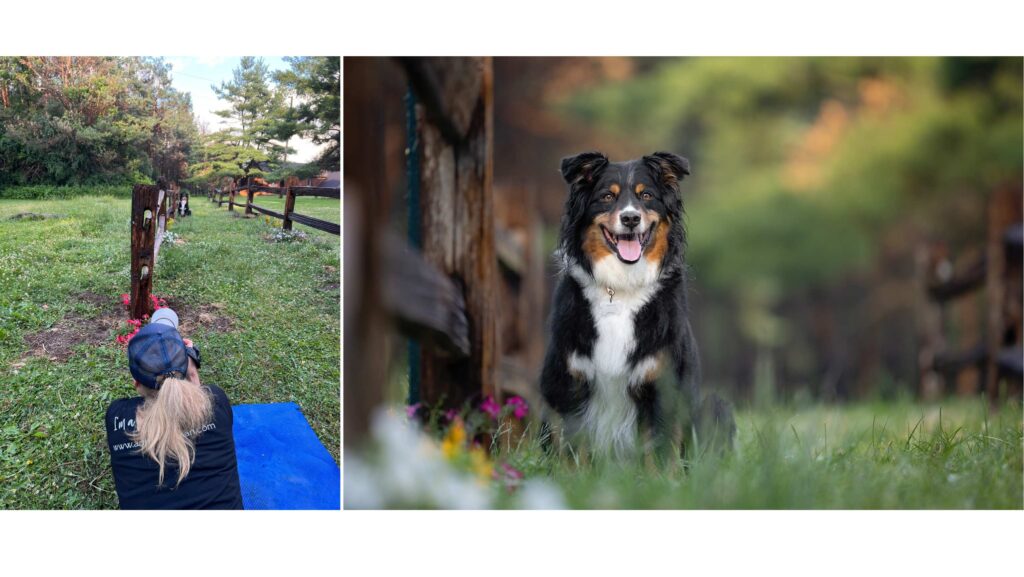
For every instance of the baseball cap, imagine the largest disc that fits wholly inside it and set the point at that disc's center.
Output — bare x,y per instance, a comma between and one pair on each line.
155,351
166,316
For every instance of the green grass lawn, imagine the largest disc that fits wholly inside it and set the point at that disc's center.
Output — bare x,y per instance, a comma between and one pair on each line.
266,316
953,455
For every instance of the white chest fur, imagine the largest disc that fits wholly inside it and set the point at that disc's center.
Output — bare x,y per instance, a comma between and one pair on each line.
610,418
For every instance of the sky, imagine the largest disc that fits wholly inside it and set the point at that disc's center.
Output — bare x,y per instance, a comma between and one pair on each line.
196,74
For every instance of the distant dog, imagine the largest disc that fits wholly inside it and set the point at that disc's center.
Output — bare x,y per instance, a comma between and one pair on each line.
622,367
183,209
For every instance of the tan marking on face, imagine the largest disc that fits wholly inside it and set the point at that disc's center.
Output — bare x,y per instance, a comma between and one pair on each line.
658,246
614,189
639,188
594,245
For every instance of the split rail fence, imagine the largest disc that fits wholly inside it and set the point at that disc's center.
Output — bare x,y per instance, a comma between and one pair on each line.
289,193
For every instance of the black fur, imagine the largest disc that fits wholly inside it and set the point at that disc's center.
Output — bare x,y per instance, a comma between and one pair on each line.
661,325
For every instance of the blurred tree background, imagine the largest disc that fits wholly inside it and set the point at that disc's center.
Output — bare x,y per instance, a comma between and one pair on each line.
816,184
79,120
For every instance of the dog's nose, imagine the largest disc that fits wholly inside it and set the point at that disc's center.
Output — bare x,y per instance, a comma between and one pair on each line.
630,219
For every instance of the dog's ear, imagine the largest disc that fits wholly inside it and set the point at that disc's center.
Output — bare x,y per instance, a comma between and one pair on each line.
669,168
583,167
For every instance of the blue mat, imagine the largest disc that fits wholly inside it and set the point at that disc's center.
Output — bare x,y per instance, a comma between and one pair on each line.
281,462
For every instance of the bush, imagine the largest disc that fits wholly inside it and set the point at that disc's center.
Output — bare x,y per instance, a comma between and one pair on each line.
45,191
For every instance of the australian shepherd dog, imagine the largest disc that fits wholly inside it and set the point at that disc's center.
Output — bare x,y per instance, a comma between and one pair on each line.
621,367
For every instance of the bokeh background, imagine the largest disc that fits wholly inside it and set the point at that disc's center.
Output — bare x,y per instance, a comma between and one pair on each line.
827,196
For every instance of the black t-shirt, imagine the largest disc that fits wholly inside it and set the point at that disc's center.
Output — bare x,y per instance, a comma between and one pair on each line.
212,482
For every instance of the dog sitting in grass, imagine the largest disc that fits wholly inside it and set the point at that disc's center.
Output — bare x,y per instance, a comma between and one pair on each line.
183,209
621,367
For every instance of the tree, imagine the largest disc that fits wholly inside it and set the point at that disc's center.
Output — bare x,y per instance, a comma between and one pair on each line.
86,120
316,81
255,107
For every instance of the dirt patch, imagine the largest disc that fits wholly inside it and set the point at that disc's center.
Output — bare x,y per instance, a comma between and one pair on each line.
58,342
206,316
98,328
35,216
94,299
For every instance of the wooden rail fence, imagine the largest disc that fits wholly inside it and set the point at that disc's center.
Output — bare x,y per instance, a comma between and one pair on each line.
289,193
994,351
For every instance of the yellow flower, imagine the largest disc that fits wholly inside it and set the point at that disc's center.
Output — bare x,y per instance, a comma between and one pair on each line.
480,464
453,440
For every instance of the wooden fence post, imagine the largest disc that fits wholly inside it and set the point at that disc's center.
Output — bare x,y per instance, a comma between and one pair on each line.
145,199
248,197
231,198
366,323
454,122
289,207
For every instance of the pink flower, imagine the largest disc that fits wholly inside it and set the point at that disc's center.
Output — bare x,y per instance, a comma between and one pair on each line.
508,475
520,408
491,407
451,414
410,411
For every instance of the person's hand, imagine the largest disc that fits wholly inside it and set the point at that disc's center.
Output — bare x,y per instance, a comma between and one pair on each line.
188,342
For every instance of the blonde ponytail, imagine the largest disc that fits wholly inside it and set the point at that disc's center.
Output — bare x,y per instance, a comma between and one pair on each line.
169,420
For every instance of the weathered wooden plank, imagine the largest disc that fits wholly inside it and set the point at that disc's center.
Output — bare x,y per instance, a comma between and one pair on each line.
145,219
289,207
454,124
961,283
325,192
364,341
312,222
267,212
248,195
425,304
450,90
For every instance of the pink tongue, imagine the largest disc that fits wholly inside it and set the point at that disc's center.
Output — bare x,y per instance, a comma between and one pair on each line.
629,249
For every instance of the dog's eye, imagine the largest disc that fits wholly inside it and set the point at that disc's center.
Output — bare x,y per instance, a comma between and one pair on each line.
607,197
646,196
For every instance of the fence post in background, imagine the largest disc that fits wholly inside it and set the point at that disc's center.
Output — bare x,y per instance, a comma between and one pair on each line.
248,196
231,197
289,207
454,124
145,218
366,322
1004,209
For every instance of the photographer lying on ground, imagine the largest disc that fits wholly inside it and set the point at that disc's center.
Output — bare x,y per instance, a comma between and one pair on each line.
172,447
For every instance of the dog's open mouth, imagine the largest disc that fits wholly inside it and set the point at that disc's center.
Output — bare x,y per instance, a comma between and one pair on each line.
628,247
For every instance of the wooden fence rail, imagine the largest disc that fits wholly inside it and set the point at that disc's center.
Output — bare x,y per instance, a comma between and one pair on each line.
289,193
998,356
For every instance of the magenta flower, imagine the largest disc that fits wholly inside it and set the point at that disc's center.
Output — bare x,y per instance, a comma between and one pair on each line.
520,408
410,411
491,407
451,414
508,476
